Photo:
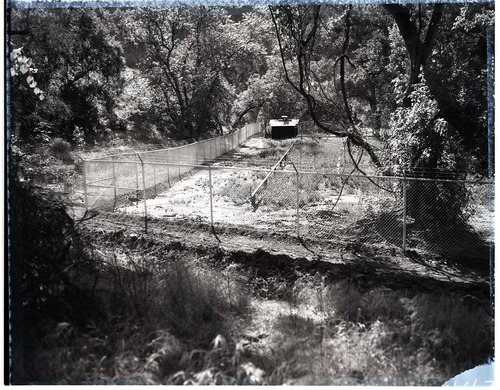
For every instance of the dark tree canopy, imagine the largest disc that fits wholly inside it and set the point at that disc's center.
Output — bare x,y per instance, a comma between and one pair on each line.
188,72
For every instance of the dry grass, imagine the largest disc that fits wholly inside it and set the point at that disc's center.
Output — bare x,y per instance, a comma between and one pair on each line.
172,319
239,186
154,314
275,149
334,334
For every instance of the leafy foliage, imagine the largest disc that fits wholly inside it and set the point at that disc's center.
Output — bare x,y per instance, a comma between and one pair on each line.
193,57
79,64
457,78
187,72
22,65
415,130
81,76
423,145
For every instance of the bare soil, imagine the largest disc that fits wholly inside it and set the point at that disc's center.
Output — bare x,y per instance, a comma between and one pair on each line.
266,237
271,255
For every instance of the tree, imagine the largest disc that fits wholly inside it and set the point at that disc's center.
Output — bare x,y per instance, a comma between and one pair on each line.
198,60
418,32
370,83
424,139
298,30
447,44
460,63
79,65
268,95
450,72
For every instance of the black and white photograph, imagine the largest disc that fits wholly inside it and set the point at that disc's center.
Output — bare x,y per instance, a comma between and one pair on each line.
249,193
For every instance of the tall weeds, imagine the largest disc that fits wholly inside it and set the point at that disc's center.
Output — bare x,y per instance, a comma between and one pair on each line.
336,334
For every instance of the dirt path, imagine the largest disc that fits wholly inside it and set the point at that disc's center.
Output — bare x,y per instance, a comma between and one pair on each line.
270,255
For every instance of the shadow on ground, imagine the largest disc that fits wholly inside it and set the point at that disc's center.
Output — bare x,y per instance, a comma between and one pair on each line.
459,243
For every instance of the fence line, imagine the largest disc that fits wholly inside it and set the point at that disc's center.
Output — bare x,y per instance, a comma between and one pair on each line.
186,156
263,182
208,147
300,202
266,170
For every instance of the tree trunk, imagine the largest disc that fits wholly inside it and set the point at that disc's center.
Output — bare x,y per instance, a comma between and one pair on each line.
304,40
418,45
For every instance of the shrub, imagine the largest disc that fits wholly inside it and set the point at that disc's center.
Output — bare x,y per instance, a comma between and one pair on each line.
338,334
451,330
191,301
239,187
269,153
61,150
421,145
48,267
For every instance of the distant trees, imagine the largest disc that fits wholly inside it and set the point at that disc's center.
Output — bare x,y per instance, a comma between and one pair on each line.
148,73
186,72
198,61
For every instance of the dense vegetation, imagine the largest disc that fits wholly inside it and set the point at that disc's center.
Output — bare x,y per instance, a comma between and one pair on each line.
415,76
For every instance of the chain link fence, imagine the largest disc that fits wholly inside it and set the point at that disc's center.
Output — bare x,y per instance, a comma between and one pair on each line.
114,180
451,218
323,207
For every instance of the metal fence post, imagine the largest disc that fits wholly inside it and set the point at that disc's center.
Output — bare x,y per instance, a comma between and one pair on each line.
297,221
136,180
168,169
404,211
84,168
144,195
154,178
211,196
179,166
114,182
298,203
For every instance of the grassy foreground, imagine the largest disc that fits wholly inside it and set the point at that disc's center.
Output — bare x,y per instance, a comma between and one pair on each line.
172,318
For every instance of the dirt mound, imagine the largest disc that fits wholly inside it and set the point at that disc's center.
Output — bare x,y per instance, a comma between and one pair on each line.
270,272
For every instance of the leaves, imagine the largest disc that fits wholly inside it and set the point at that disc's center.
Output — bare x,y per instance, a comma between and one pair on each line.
198,61
78,64
202,70
24,65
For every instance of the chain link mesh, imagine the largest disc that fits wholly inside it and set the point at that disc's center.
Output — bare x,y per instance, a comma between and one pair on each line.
110,181
450,218
326,206
346,208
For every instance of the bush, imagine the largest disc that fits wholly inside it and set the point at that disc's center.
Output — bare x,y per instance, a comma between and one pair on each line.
421,146
47,268
61,150
335,333
239,187
451,330
91,319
